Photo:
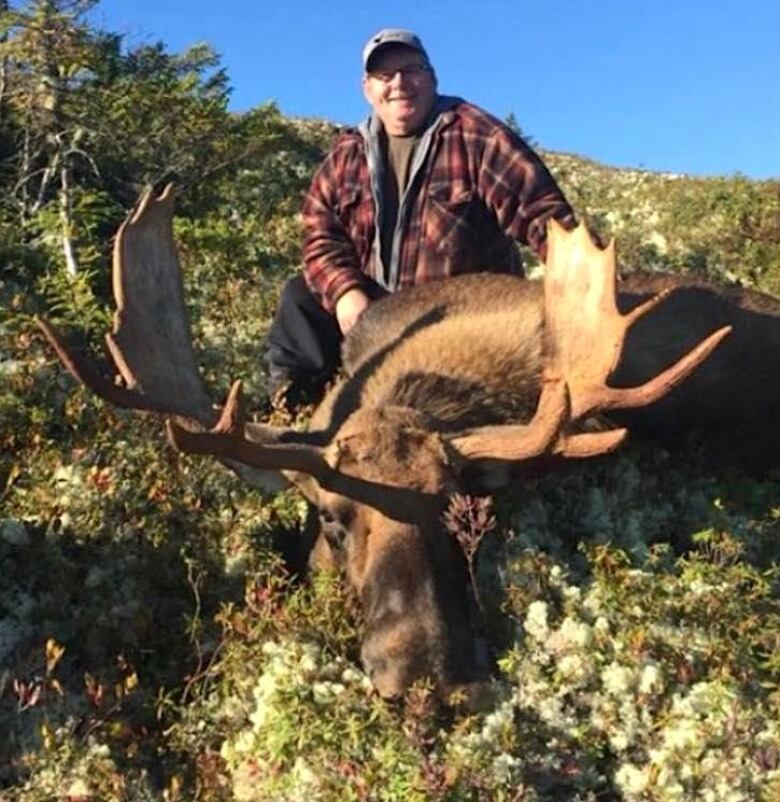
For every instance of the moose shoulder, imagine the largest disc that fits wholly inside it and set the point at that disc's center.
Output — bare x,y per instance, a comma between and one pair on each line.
448,387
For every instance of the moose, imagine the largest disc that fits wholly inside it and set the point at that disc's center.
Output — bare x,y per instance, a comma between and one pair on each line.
461,385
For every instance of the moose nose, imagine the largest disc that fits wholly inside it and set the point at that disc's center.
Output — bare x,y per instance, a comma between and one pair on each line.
388,686
392,670
388,677
472,697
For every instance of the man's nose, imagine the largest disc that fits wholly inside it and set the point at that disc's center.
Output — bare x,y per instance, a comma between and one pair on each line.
400,78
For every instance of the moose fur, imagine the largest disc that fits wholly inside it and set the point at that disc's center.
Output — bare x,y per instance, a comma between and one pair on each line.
473,353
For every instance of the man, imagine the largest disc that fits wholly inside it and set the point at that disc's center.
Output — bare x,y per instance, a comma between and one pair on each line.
428,187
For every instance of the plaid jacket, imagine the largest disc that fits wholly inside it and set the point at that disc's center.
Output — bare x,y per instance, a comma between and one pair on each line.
478,188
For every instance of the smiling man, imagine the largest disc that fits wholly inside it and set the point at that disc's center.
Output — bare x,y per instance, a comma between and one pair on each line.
429,186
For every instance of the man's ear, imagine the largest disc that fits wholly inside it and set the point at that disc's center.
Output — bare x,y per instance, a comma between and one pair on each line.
364,84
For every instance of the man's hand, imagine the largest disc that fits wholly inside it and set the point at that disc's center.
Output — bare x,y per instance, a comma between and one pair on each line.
350,307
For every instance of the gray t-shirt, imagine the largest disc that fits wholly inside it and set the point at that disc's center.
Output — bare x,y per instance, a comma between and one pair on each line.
398,152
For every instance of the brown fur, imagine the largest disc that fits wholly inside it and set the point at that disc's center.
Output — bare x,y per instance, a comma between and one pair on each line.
408,574
481,357
447,356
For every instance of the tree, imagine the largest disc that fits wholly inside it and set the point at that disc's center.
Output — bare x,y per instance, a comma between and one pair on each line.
49,57
514,125
90,124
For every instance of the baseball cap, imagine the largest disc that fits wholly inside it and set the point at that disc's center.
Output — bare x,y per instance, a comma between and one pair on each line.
392,36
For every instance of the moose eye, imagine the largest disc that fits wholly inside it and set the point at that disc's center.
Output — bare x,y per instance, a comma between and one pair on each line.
335,524
336,537
338,516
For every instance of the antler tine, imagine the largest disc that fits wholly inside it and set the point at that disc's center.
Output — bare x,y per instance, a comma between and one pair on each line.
227,441
86,372
522,441
585,332
541,436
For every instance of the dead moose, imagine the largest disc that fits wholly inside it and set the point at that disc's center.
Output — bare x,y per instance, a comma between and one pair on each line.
454,386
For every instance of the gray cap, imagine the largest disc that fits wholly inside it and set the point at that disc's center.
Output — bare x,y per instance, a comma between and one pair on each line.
392,36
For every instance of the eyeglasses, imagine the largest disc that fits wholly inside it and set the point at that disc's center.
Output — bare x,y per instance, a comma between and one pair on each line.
415,72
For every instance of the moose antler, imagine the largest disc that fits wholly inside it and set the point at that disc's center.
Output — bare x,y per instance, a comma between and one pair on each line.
228,440
151,346
150,343
585,332
584,337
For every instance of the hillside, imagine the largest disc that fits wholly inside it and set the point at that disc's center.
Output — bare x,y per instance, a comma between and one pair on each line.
154,643
153,647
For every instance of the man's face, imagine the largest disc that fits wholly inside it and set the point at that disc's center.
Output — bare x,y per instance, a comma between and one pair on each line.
401,88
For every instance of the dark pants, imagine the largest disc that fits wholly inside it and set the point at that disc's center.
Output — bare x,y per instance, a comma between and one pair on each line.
304,342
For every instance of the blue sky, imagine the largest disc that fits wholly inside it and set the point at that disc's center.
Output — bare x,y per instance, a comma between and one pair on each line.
687,86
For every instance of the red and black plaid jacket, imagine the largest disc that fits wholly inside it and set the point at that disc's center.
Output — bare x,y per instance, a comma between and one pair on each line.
481,187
